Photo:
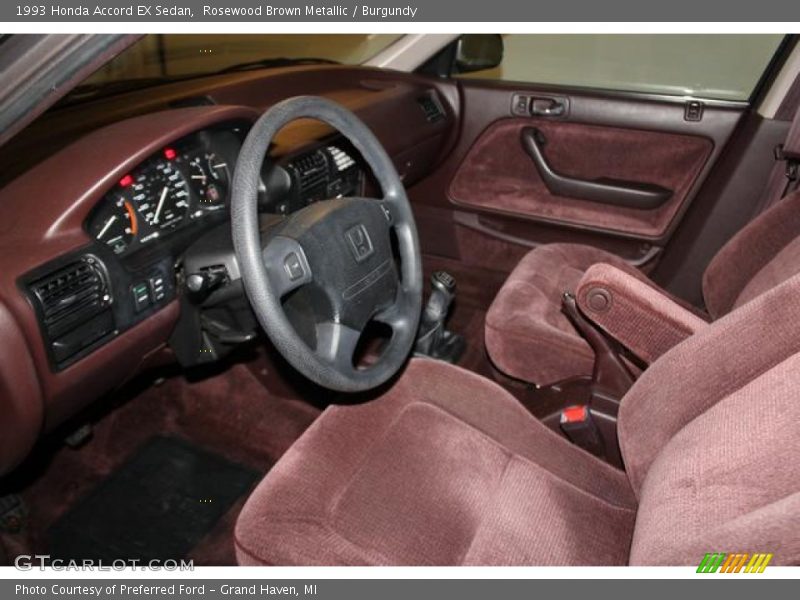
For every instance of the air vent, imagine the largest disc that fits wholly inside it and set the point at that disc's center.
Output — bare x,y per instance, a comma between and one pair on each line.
431,107
311,171
74,307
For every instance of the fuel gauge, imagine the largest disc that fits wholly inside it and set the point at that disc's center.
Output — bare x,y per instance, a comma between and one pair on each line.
210,179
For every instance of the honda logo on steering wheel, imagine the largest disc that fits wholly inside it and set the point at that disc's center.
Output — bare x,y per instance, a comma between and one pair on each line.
360,244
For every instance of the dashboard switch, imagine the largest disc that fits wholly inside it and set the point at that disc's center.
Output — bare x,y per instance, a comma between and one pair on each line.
293,266
141,296
157,289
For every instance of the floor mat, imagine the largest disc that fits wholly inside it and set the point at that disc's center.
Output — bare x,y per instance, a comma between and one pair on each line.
158,505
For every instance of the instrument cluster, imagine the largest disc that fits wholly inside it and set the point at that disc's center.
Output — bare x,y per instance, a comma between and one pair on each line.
181,184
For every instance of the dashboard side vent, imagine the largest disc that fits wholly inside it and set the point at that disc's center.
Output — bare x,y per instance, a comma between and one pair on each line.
74,307
431,107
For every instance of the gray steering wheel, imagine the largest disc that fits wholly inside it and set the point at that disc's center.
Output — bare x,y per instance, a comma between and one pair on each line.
342,249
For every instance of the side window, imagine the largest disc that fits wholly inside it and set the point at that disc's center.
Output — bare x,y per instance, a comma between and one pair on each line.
725,67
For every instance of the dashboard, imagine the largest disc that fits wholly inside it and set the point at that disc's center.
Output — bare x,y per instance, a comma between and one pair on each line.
98,239
143,226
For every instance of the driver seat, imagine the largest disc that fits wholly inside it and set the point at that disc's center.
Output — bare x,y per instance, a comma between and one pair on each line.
447,468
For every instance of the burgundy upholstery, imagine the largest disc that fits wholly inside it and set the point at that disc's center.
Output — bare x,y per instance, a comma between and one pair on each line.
507,180
447,468
711,439
761,255
528,337
645,320
791,147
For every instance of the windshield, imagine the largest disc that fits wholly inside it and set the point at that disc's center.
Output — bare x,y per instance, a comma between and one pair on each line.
163,58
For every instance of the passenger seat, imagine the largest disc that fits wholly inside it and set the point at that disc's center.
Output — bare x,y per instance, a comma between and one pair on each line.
529,337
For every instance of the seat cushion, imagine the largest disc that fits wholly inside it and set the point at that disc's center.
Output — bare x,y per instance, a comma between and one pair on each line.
445,468
527,335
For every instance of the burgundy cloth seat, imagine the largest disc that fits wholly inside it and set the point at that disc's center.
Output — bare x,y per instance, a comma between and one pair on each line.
446,468
529,338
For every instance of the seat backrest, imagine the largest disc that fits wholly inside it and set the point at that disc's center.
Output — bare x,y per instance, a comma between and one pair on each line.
710,436
767,250
759,257
791,147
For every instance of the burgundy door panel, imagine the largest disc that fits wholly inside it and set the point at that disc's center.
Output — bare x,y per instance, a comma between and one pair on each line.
486,204
498,175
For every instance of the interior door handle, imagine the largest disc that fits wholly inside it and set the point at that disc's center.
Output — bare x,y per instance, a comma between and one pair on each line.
549,107
618,192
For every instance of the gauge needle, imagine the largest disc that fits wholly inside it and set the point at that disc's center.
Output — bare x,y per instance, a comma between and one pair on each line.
160,204
108,224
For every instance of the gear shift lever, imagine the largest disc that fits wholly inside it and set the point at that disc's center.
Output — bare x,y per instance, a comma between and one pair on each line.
432,339
443,291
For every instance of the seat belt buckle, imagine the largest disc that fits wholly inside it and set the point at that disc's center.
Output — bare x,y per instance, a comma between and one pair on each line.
578,425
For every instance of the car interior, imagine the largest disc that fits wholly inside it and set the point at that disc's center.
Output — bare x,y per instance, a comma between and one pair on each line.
319,309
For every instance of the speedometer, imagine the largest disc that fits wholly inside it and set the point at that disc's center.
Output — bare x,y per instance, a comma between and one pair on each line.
161,195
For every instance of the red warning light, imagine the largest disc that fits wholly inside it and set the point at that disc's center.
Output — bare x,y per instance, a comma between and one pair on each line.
126,181
170,153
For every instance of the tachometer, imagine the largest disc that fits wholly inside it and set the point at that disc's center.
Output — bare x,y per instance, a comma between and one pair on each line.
161,195
115,223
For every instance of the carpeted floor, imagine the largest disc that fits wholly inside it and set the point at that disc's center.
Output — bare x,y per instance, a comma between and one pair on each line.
248,412
230,414
158,505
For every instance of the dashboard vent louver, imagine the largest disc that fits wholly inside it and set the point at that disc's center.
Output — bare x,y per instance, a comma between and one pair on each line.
71,295
312,173
431,107
327,172
73,306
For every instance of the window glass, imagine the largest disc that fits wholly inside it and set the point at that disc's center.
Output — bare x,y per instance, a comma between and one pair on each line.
725,67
